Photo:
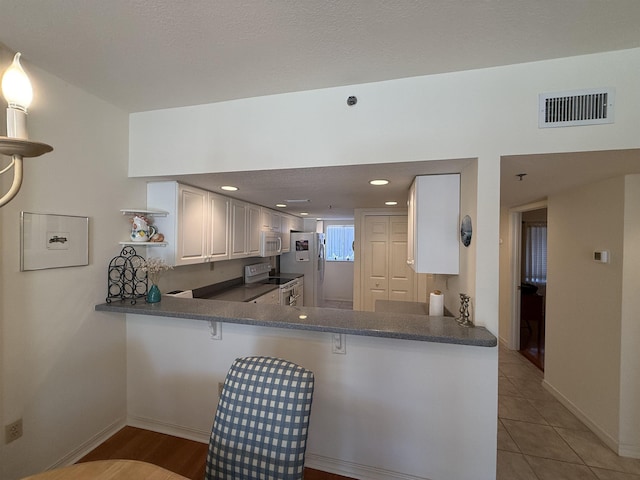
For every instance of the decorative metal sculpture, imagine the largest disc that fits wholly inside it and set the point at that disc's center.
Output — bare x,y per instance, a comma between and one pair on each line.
463,319
126,280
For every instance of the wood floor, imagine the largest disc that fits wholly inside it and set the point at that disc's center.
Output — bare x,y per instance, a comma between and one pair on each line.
178,455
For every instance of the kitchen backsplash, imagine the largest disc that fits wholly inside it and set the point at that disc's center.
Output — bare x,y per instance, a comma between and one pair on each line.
188,277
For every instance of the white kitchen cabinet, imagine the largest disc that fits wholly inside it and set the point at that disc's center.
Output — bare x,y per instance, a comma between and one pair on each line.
245,229
218,228
270,220
271,298
433,234
285,230
253,230
296,224
196,225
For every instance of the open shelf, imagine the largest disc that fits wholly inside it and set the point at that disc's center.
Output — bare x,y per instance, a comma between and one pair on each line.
154,213
145,244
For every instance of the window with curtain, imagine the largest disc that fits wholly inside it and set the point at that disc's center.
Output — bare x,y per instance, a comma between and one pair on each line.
339,243
536,253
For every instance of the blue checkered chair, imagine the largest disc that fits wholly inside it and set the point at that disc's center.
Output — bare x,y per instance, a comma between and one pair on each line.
260,427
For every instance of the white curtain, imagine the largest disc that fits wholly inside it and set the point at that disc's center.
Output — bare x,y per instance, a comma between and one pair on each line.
339,243
536,253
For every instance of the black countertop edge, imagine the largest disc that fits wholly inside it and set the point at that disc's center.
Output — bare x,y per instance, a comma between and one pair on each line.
372,324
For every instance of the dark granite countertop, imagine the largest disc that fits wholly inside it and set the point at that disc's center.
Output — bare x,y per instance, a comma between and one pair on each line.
241,293
399,325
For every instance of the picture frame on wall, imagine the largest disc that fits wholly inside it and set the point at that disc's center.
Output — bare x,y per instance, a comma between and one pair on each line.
53,241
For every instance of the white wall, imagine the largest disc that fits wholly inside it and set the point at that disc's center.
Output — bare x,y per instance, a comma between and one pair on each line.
474,114
388,409
63,365
584,301
629,441
479,114
504,314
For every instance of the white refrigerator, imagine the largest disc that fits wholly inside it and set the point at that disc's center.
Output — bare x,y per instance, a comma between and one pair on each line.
307,257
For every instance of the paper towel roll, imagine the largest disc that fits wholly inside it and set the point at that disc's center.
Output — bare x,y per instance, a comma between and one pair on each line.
436,304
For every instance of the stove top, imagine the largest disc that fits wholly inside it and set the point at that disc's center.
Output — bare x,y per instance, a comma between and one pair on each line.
278,280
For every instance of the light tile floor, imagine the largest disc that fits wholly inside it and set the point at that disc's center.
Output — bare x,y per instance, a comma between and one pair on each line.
539,439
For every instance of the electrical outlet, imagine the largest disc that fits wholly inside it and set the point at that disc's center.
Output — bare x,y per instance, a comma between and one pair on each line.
13,431
339,343
220,386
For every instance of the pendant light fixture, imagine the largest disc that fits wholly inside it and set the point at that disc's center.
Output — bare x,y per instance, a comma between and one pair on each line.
17,91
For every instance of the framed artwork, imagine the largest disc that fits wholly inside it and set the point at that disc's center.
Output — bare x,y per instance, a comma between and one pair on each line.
53,241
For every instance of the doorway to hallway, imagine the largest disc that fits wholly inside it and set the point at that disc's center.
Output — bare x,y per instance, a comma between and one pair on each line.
533,285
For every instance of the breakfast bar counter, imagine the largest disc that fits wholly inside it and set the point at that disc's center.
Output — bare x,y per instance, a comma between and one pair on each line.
406,321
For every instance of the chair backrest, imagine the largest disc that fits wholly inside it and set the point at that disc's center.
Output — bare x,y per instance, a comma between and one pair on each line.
261,423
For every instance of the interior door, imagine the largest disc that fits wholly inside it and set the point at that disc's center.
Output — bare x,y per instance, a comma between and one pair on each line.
401,276
375,260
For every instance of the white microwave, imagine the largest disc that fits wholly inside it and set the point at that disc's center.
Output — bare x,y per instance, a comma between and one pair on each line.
270,244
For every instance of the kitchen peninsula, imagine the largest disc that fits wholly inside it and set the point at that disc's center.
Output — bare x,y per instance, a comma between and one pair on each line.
389,386
387,323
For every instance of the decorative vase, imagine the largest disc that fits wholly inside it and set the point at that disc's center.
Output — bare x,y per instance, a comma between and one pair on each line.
153,295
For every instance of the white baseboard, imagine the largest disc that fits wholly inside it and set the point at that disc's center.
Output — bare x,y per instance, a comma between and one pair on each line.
169,429
75,455
632,451
317,462
353,470
609,441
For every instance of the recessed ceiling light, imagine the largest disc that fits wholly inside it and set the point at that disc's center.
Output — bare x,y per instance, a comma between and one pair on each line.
280,205
390,203
229,188
303,213
380,181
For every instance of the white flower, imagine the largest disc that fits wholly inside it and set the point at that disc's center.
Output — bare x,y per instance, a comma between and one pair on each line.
153,267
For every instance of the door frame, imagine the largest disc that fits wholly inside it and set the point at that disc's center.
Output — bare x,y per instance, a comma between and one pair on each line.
515,260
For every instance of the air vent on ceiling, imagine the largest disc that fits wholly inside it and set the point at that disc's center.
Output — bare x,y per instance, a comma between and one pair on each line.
579,107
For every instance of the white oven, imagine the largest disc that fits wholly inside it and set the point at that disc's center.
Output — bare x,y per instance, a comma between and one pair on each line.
290,290
291,293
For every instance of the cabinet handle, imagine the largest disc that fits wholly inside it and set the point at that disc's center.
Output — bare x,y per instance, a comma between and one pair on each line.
410,262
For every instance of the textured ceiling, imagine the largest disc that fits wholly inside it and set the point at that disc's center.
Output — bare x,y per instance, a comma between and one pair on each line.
149,54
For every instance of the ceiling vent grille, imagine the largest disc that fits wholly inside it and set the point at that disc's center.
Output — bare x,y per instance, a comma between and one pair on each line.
580,107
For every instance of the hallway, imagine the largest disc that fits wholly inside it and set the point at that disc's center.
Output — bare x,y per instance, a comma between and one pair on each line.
539,439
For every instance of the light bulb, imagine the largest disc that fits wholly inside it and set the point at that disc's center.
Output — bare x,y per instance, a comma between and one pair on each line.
16,86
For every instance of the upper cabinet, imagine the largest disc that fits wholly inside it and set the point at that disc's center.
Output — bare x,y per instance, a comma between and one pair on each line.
245,229
196,225
285,229
202,226
270,220
218,228
433,229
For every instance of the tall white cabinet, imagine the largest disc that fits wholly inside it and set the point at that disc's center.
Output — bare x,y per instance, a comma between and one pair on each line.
433,235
